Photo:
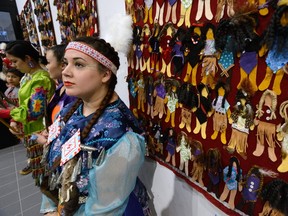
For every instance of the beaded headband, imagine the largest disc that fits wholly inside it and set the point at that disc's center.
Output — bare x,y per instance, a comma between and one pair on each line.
92,53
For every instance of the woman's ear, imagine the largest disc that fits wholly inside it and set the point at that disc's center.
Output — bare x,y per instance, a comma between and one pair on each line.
106,76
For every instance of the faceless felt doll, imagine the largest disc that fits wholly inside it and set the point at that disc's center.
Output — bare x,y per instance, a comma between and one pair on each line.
282,135
232,175
186,98
149,89
177,60
193,44
171,143
140,87
209,57
186,6
275,196
145,62
265,120
155,48
198,159
202,109
159,94
171,11
222,112
137,48
159,136
171,100
184,149
166,35
214,170
132,82
275,42
241,120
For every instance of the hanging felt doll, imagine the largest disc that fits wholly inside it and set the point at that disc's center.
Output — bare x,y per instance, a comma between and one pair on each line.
148,11
214,170
141,97
159,13
166,35
204,4
184,149
145,63
186,98
202,109
139,10
193,44
275,196
171,11
171,143
275,42
265,120
241,120
209,56
221,108
221,7
232,176
248,51
282,135
158,137
132,83
137,48
171,100
149,89
177,60
155,48
198,159
159,94
252,187
185,11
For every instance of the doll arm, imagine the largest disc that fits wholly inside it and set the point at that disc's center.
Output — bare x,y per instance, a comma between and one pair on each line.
263,50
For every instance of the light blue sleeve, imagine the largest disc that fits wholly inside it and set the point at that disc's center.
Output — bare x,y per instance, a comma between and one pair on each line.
111,183
47,205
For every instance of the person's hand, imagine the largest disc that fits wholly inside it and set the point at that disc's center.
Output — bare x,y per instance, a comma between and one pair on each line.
41,139
16,129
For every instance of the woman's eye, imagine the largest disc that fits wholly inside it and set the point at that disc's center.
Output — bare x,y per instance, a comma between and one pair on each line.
79,65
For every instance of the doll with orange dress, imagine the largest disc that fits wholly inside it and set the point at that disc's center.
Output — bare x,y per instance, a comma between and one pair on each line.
266,122
241,120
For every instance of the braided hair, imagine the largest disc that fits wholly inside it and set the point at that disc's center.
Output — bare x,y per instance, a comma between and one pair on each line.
108,51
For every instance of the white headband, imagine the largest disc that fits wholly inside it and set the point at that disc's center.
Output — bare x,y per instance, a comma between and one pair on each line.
92,53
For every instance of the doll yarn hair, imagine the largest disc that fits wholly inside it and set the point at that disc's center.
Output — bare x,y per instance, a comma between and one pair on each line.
219,85
205,29
265,94
276,193
276,30
231,161
197,151
213,159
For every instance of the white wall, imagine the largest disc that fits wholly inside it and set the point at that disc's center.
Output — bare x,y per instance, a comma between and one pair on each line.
171,196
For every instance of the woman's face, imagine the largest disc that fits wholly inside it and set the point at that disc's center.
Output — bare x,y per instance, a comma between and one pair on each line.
53,66
82,77
19,64
12,79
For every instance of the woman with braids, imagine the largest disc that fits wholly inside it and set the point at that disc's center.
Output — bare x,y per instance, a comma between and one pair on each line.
36,87
96,148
